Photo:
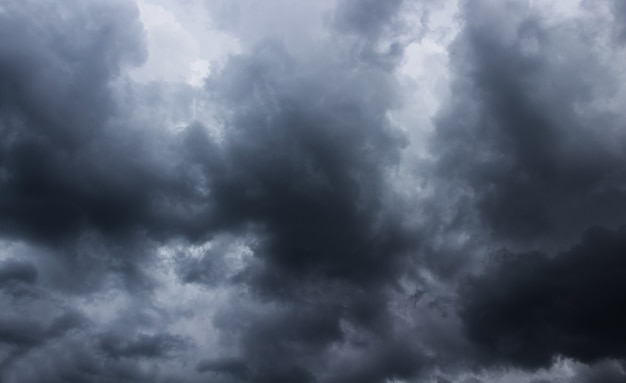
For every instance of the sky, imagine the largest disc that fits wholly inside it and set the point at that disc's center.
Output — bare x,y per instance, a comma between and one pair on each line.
312,191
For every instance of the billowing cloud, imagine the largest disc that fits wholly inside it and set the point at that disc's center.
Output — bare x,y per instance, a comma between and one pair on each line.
302,168
529,129
533,140
241,192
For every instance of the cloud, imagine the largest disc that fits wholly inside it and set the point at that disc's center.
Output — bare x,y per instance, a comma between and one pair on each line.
395,360
528,151
17,332
619,11
141,346
14,271
302,168
19,336
608,372
524,132
295,154
231,366
528,309
70,161
295,216
366,19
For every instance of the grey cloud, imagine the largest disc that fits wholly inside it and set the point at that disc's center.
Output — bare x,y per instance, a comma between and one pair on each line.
293,152
235,367
73,362
81,185
21,335
367,19
14,271
142,345
540,167
528,309
619,11
397,359
605,372
211,268
281,207
379,28
28,333
528,159
301,168
238,370
73,354
67,164
87,181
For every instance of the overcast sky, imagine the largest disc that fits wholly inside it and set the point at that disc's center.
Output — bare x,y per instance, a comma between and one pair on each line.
313,191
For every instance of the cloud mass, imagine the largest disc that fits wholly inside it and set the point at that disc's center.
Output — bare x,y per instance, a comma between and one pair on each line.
336,191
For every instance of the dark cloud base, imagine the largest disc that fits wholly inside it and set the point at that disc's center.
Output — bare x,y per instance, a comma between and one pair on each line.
528,309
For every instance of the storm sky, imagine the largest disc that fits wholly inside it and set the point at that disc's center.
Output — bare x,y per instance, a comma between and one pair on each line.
313,191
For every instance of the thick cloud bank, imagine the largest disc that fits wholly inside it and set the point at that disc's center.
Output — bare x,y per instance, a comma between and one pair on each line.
530,308
317,191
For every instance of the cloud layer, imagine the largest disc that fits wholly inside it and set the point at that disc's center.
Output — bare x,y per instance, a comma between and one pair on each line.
356,191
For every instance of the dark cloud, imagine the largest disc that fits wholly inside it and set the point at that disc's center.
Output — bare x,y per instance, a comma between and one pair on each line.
14,271
142,345
529,157
303,164
28,333
393,360
235,367
19,335
81,186
302,168
73,362
67,163
528,309
521,130
268,226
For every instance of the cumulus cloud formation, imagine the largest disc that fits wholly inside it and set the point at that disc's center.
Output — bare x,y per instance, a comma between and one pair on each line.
316,191
537,141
